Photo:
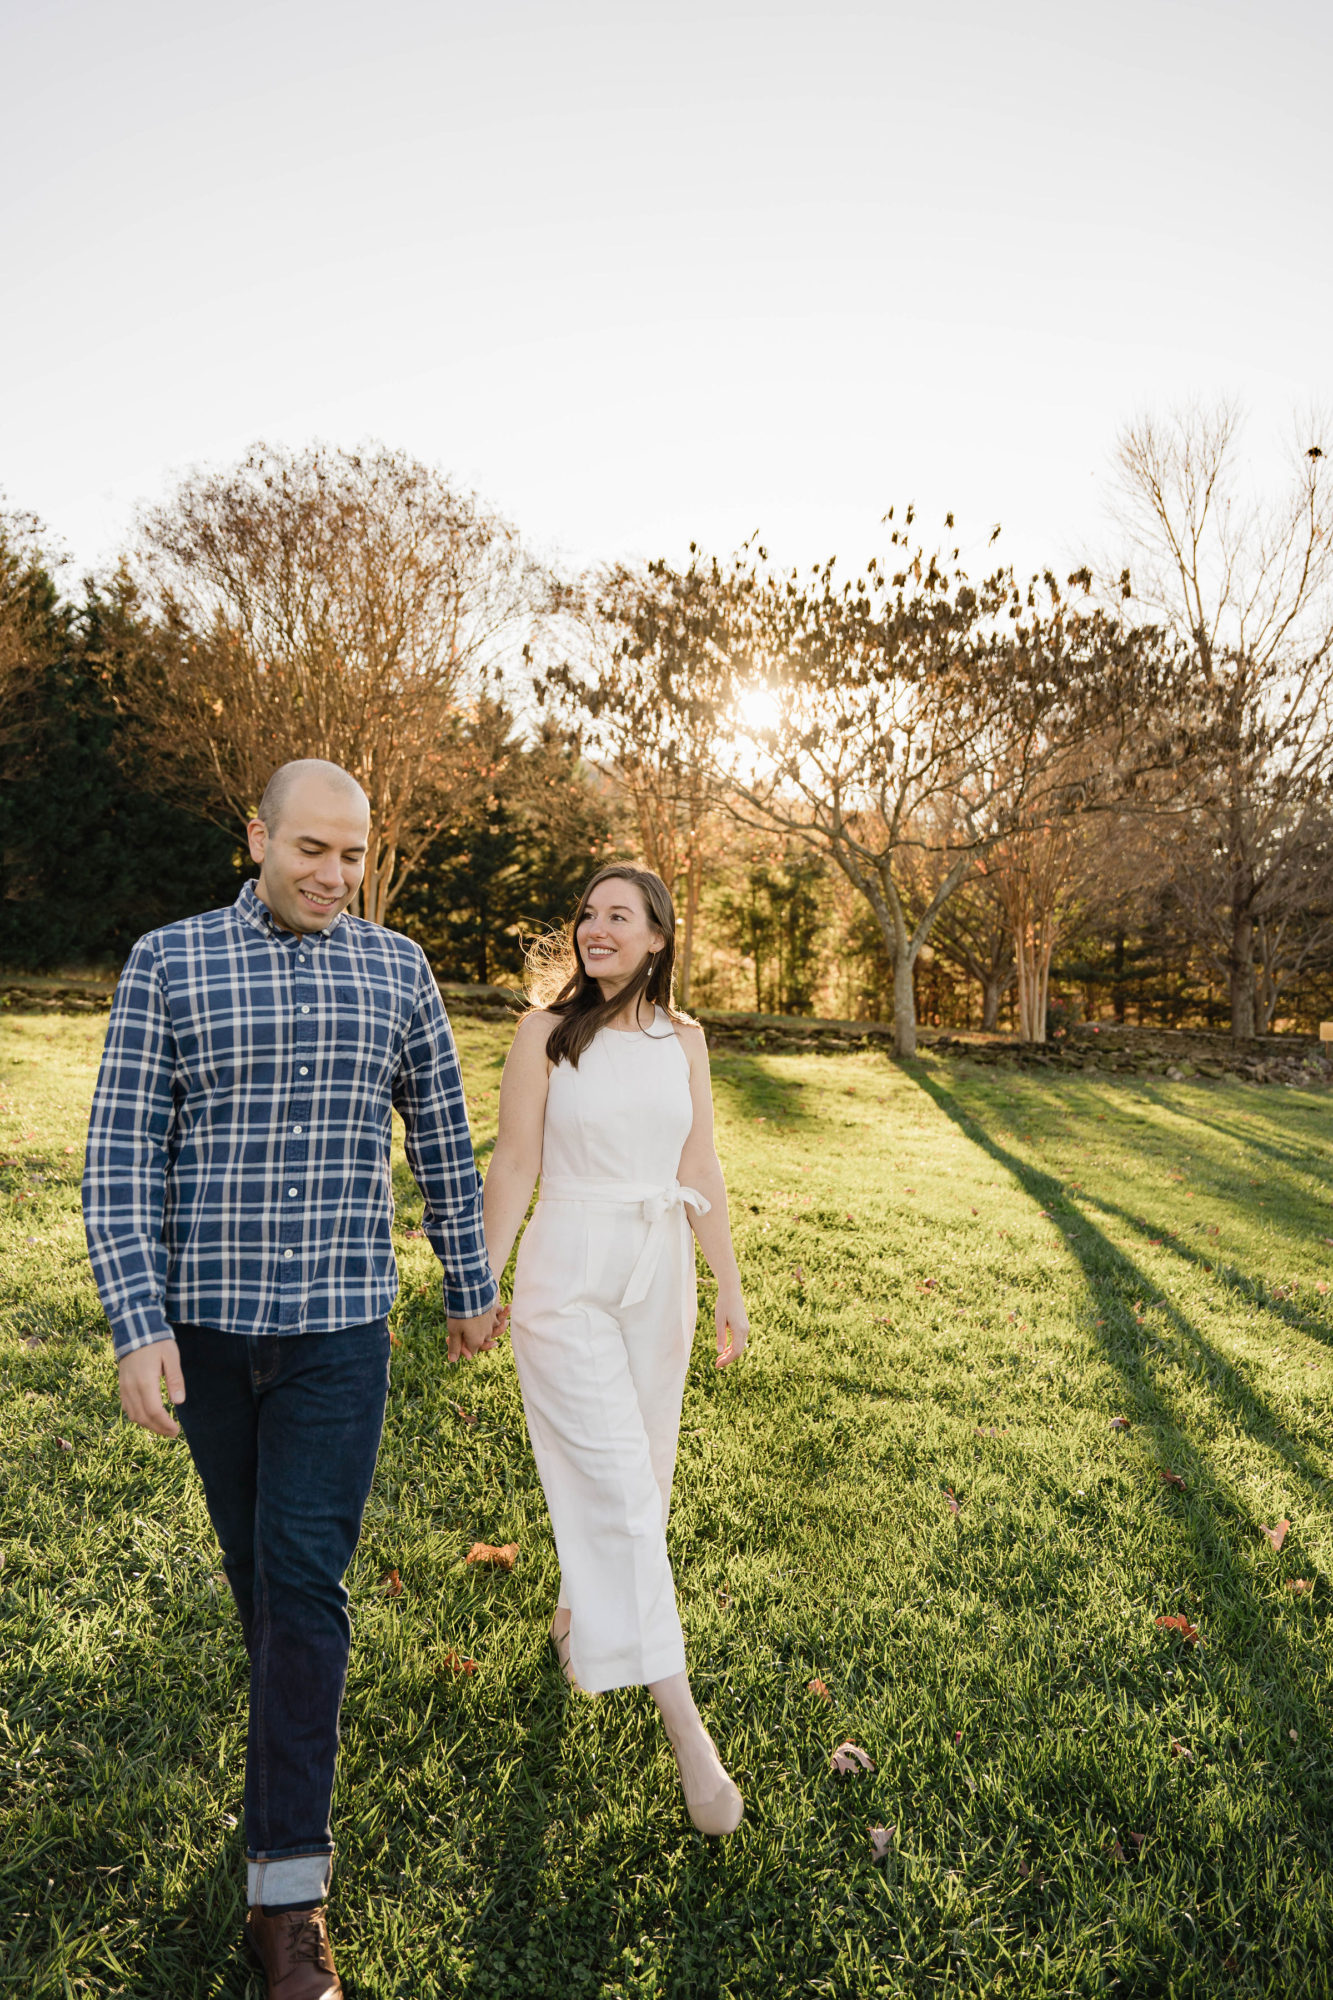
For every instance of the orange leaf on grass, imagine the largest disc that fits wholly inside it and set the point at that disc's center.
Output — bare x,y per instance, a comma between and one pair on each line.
1177,1622
1299,1583
1169,1478
464,1415
849,1757
1120,1423
1179,1749
818,1687
881,1840
485,1556
1277,1536
392,1585
953,1504
457,1665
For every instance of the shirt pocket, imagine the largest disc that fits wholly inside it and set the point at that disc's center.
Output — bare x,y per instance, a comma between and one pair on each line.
367,1028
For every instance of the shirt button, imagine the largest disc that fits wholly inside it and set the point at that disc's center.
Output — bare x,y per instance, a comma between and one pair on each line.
305,1010
303,1072
300,958
297,1130
291,1190
289,1253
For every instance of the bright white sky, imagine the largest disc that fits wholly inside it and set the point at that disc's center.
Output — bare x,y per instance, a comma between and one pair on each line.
644,273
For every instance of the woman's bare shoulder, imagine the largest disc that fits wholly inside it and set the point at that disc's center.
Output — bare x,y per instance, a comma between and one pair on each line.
691,1036
534,1028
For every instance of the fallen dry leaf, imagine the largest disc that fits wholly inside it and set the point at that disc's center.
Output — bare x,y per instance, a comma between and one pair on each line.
1138,1838
1277,1536
953,1504
1179,1749
64,1444
1321,1284
990,1431
1299,1583
394,1340
1294,1737
1120,1423
818,1687
459,1666
392,1585
1176,1621
849,1757
1169,1478
1116,1851
798,1274
881,1840
484,1556
927,1285
464,1415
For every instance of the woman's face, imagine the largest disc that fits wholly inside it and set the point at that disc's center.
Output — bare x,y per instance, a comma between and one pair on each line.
614,933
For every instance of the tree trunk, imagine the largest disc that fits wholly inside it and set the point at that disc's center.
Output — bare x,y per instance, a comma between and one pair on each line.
685,957
1241,978
992,992
904,1004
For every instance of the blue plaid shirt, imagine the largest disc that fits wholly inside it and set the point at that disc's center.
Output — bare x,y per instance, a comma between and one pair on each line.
238,1151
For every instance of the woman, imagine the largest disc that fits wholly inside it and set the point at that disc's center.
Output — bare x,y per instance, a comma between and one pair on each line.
606,1093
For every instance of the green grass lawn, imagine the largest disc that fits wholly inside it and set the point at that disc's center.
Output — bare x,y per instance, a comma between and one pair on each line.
958,1279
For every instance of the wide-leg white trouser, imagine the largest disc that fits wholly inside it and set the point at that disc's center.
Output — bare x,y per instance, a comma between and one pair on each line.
602,1389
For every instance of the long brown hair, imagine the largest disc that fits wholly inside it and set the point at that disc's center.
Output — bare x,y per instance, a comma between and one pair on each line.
558,981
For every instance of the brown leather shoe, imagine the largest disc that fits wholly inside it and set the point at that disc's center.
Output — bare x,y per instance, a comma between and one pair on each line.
295,1953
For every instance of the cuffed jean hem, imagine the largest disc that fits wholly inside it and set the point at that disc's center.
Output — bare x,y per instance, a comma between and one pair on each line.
294,1878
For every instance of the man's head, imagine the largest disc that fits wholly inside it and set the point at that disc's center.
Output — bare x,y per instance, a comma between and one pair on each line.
309,838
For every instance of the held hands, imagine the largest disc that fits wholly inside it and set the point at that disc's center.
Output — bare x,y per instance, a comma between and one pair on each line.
733,1329
142,1374
470,1337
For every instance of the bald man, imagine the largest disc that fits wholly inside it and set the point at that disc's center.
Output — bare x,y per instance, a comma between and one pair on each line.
238,1203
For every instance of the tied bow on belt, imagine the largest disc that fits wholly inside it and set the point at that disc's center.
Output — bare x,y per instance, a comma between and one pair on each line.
655,1204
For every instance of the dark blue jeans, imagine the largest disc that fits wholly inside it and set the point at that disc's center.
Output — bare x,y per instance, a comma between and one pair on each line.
284,1433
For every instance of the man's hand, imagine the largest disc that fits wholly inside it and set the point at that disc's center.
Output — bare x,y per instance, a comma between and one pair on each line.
142,1374
470,1337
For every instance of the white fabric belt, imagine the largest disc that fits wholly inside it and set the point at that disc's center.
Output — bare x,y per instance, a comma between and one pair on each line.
656,1205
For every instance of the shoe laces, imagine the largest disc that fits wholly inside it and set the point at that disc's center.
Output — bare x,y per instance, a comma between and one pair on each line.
307,1940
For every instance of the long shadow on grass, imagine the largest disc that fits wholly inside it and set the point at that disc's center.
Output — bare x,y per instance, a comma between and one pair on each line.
755,1092
1211,1508
1251,1291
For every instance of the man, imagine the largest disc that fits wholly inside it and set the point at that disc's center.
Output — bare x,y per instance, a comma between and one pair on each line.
238,1203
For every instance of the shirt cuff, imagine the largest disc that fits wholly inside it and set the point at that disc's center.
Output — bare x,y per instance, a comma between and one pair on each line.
139,1326
467,1301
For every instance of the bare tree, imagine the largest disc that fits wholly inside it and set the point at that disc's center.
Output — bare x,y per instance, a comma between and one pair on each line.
325,603
1249,588
915,717
640,657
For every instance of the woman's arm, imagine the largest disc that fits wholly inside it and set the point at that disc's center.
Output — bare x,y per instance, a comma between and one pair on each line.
700,1168
517,1159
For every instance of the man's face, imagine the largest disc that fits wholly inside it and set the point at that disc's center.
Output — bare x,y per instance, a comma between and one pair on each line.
311,864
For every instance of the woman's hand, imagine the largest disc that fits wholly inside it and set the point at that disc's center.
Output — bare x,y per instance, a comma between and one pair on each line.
733,1329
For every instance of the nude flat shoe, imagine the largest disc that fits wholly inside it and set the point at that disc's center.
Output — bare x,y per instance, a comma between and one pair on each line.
721,1812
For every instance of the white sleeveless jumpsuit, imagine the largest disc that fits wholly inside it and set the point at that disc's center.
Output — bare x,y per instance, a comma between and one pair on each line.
603,1316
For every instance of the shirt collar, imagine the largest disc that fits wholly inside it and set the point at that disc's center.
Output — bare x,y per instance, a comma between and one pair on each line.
260,918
